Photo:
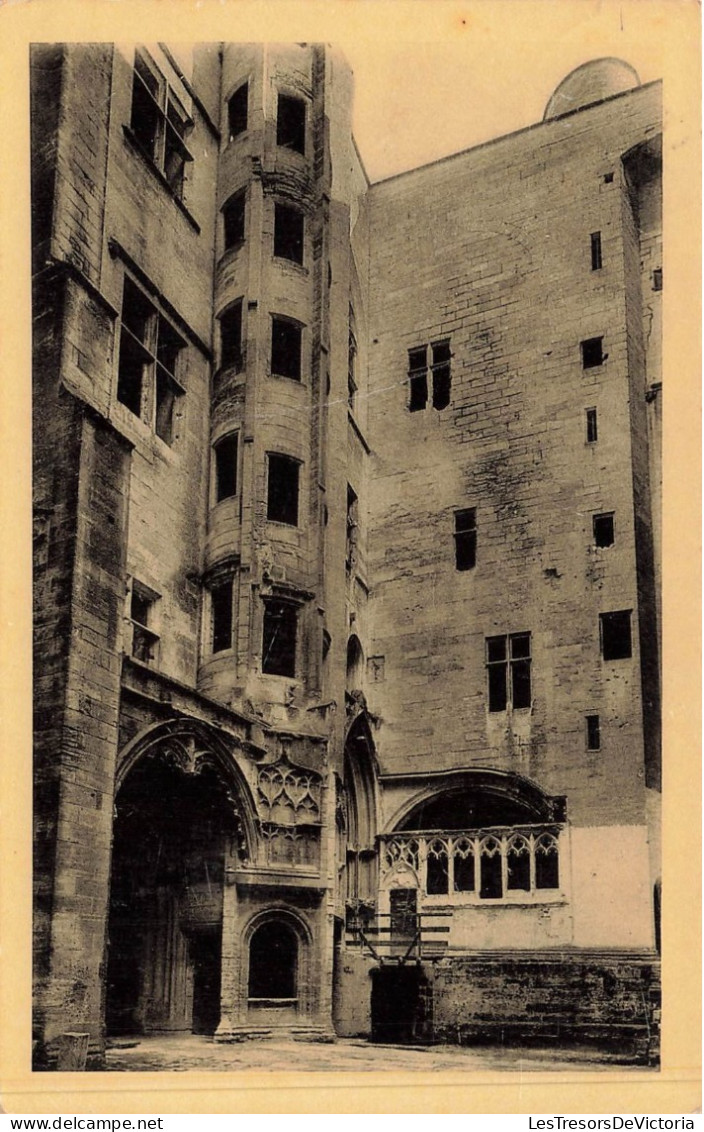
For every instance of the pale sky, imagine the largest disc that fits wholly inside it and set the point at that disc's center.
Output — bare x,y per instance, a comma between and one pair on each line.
416,100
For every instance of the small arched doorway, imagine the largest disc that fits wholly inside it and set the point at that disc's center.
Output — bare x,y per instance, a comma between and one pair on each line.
273,963
175,824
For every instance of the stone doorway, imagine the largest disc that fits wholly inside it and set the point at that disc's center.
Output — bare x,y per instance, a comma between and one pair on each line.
401,1000
174,823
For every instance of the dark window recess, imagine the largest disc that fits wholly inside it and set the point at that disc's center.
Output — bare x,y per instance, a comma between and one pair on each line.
592,352
288,233
279,639
352,528
437,874
221,605
592,431
657,279
226,467
608,178
237,111
273,962
144,640
168,346
593,733
464,873
441,374
595,239
403,910
418,379
175,153
518,866
490,886
145,120
285,349
233,214
508,662
231,337
135,341
291,123
616,634
547,866
466,539
603,526
282,490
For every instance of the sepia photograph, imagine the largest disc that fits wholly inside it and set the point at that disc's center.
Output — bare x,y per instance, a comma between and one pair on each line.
347,555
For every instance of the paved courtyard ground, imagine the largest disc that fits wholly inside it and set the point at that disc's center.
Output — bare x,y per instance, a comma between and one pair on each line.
189,1052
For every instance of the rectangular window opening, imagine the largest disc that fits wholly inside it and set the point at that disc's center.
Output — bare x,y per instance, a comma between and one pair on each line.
465,539
603,527
593,733
285,348
159,124
231,337
136,345
592,352
596,250
288,233
441,374
221,615
592,432
508,662
233,216
291,123
279,639
418,379
237,107
282,489
616,634
226,467
145,120
657,279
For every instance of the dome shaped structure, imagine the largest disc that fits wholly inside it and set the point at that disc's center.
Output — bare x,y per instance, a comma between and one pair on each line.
591,82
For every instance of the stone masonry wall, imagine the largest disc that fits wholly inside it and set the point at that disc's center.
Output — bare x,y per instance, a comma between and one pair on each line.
491,249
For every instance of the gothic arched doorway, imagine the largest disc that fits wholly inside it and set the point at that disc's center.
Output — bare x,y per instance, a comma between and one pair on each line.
175,827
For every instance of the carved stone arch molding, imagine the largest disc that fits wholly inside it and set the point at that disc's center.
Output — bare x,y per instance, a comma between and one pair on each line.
295,922
193,747
514,789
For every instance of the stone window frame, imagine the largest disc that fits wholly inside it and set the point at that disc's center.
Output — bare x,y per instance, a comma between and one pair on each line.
512,666
231,436
222,582
231,356
278,318
434,358
612,627
163,145
280,207
292,461
292,607
240,128
232,243
465,536
292,96
144,608
149,341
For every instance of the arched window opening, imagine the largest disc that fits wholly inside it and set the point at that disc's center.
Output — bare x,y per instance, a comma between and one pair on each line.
437,868
355,664
547,868
273,962
518,864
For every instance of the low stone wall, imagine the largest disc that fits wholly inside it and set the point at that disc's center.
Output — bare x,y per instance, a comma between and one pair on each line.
610,1000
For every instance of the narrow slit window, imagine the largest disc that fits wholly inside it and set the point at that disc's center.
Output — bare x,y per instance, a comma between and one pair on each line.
616,634
285,348
465,539
291,123
437,873
237,108
288,233
593,733
279,639
596,250
490,878
221,607
233,215
592,430
282,490
657,279
518,865
226,467
592,352
603,526
441,374
463,869
231,337
418,379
